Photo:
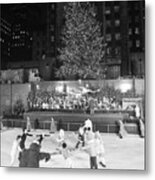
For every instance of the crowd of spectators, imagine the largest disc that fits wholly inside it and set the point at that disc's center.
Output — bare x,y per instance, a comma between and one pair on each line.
72,102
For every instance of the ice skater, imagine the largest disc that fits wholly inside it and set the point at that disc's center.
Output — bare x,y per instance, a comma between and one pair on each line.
61,137
15,149
122,132
28,124
100,149
141,128
91,149
88,124
80,137
31,157
52,126
23,138
66,153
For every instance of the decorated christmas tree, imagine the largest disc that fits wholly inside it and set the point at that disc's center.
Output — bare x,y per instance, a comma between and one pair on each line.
82,49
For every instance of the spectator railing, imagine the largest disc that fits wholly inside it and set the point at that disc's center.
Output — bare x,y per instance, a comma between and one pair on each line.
68,126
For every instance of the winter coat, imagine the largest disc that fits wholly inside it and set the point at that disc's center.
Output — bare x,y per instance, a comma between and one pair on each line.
31,157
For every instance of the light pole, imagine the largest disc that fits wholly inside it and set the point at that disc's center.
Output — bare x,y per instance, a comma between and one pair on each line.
10,82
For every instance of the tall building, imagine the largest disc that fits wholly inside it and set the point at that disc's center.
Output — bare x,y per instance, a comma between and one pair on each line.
136,33
21,43
44,39
124,32
5,41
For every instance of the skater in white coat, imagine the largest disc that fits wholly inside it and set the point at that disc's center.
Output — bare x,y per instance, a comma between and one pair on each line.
15,149
100,149
61,137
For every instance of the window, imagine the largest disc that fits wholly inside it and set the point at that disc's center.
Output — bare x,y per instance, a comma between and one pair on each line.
107,11
108,50
130,44
137,19
52,38
52,6
117,22
108,22
130,31
117,36
118,51
136,30
116,8
137,43
52,27
108,37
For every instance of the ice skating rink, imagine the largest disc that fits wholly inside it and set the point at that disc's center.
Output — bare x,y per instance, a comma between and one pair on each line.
126,153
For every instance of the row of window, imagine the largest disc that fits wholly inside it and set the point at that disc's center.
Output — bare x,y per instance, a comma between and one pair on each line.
137,43
117,23
18,45
108,10
2,40
135,30
109,37
3,26
5,31
116,50
118,36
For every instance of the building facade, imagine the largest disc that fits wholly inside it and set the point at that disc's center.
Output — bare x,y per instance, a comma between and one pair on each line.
44,39
21,43
5,41
124,31
122,25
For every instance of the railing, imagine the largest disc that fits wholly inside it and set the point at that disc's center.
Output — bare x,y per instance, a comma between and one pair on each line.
79,111
71,126
67,126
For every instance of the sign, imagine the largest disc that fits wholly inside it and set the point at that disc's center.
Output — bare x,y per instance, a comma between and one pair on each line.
129,103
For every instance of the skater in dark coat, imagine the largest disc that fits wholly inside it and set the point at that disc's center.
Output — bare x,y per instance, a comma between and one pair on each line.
31,157
23,138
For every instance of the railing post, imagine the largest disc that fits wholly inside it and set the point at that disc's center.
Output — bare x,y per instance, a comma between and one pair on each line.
108,128
68,126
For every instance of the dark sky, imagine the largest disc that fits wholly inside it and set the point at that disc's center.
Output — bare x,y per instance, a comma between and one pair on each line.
31,14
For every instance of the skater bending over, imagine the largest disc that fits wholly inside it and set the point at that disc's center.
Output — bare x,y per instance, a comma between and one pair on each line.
31,157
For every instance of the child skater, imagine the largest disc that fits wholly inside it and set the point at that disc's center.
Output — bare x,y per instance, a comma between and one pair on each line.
100,149
66,153
91,149
61,137
15,148
80,137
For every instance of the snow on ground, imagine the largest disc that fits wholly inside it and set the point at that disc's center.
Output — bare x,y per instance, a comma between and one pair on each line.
126,153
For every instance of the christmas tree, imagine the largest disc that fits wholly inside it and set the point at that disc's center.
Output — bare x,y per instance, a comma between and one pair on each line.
82,44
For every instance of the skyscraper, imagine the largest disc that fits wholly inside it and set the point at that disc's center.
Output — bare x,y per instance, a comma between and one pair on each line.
21,43
124,31
5,41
